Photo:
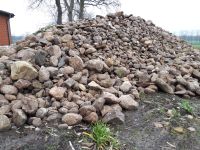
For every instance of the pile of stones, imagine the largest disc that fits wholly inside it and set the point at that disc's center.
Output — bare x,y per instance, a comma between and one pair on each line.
92,70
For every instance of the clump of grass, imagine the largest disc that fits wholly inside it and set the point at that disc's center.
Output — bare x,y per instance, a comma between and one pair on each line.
175,113
103,137
185,105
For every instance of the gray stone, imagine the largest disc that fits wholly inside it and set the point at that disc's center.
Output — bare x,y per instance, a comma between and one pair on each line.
55,51
41,112
110,98
76,62
22,84
72,119
86,110
57,92
40,58
99,103
69,82
43,74
30,104
95,64
5,109
94,85
114,117
126,86
164,86
4,123
8,89
19,117
127,102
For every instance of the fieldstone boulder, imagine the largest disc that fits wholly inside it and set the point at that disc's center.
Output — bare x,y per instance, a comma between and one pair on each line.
127,102
76,62
91,118
114,117
110,98
4,123
19,117
9,89
86,110
95,64
126,86
164,86
43,74
57,92
23,70
72,119
29,104
22,84
41,112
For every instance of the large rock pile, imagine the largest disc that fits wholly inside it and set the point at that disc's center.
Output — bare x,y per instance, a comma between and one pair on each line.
92,69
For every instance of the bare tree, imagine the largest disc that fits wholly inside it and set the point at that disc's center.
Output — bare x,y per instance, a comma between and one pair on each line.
74,8
69,5
95,3
49,3
59,10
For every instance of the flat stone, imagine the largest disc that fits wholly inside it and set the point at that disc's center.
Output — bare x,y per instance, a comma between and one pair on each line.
127,102
114,117
22,84
110,98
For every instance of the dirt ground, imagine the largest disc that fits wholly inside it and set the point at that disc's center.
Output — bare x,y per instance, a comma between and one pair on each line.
148,128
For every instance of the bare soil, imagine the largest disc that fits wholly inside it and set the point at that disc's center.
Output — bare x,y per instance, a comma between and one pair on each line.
138,133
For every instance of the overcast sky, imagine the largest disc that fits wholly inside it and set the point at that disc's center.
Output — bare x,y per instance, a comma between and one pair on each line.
172,15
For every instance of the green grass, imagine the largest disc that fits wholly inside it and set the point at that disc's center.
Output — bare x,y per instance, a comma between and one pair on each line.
103,137
197,46
185,105
175,113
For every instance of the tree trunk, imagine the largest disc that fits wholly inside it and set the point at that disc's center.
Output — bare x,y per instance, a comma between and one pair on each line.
59,10
70,15
70,11
81,11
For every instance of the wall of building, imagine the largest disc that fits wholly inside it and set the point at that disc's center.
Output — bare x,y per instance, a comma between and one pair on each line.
4,31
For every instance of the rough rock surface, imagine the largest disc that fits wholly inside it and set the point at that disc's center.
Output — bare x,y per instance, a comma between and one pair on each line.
23,70
4,123
91,69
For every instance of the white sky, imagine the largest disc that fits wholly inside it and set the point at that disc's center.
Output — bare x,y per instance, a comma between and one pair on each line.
172,15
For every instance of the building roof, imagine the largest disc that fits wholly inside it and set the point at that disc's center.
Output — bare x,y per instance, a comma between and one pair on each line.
4,13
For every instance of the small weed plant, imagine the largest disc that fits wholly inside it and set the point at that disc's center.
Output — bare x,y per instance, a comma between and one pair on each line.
103,137
175,113
185,105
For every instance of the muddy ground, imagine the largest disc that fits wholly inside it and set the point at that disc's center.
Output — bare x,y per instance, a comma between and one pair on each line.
148,128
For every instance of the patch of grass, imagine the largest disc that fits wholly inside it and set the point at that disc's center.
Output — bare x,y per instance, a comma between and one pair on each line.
175,113
51,147
162,110
197,46
142,95
185,105
103,137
